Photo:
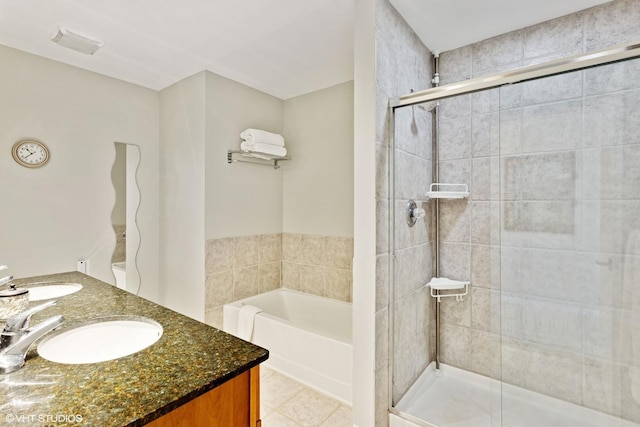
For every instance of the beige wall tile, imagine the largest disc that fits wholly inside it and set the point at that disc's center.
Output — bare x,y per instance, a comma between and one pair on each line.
218,289
269,276
270,248
246,282
338,252
214,317
291,247
260,263
247,251
312,249
312,279
219,255
337,284
291,275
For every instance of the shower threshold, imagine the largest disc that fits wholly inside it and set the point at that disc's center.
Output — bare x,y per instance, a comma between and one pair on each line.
452,397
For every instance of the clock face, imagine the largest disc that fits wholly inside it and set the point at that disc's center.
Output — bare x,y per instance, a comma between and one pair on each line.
31,154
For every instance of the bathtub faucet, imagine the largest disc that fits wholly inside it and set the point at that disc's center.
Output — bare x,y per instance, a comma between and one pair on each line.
17,336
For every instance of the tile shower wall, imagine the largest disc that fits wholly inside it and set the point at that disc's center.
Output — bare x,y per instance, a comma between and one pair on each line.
240,267
566,167
402,64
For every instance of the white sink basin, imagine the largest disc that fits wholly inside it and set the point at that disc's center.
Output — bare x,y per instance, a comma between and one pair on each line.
99,340
57,290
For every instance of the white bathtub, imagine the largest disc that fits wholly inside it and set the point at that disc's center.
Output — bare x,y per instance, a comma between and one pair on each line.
308,337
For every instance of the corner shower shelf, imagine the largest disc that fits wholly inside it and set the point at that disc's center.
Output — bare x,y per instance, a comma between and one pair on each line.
443,284
260,158
448,191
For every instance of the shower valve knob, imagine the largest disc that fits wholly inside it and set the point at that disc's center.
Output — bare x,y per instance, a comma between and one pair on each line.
414,213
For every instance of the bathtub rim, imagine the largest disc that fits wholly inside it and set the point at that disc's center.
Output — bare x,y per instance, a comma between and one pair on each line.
239,303
313,371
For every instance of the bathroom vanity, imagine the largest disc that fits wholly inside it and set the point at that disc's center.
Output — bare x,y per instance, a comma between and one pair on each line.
193,375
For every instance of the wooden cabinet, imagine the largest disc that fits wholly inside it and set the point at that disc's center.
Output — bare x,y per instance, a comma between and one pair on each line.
235,403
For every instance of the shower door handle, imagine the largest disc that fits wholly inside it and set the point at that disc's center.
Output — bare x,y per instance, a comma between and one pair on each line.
608,263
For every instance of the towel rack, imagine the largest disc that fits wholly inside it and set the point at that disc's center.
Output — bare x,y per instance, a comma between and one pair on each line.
254,158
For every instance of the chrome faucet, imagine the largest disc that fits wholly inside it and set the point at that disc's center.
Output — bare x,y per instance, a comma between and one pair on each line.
17,336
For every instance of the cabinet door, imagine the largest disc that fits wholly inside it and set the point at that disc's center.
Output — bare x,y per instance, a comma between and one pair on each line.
235,403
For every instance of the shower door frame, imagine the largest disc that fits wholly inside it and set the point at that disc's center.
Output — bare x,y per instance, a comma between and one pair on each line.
578,62
532,72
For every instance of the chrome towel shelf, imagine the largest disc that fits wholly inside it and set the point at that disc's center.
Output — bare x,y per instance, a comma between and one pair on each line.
254,158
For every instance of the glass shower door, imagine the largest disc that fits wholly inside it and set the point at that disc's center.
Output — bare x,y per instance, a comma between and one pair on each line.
570,249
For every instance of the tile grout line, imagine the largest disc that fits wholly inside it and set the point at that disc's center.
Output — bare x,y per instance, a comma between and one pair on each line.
331,413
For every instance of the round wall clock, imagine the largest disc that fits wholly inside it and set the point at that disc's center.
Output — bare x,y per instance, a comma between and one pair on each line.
30,153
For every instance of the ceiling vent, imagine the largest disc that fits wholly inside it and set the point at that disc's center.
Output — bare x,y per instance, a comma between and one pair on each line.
76,41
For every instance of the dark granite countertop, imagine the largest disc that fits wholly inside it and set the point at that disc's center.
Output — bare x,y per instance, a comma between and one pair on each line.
190,359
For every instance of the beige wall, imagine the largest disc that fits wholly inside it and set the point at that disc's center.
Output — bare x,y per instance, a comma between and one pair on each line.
60,213
57,214
248,206
241,199
182,186
311,194
318,182
205,199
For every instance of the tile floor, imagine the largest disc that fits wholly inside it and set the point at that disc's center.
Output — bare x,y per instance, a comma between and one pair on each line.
285,402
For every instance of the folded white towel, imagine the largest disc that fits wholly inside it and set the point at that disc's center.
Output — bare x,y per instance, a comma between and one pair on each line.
262,136
263,148
246,320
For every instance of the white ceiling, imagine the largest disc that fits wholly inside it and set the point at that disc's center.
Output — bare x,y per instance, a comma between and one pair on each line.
282,47
448,24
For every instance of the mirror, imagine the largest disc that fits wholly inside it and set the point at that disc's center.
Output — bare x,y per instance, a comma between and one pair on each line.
123,217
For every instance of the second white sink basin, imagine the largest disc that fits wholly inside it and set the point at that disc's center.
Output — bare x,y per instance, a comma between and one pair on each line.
54,290
99,340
